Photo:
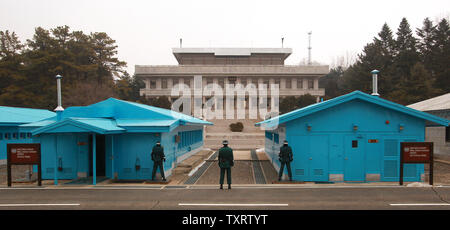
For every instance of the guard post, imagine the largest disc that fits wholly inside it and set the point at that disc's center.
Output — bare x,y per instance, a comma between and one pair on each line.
416,153
24,154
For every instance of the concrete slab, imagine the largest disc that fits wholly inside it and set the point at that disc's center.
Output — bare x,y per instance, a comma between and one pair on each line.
262,156
269,171
241,173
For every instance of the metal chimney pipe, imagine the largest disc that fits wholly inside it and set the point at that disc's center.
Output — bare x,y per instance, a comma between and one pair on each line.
59,109
375,82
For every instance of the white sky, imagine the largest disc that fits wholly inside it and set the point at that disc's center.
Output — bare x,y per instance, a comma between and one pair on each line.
145,31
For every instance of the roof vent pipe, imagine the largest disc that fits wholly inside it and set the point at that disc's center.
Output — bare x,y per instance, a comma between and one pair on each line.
59,109
375,82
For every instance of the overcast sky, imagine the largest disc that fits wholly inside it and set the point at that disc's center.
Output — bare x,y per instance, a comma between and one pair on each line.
146,31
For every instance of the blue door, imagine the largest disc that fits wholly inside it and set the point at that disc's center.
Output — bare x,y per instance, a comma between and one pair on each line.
354,168
318,158
300,164
310,157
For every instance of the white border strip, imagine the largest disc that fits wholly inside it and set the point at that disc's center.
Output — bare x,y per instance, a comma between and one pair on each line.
193,204
438,204
27,205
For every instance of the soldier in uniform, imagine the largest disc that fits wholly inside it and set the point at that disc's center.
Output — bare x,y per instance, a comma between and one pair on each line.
285,159
158,157
226,161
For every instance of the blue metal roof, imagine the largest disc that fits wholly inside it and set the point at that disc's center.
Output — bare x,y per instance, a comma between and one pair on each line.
114,116
16,116
345,98
70,125
119,109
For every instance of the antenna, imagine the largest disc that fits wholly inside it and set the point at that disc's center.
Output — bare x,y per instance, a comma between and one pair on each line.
282,41
309,48
181,42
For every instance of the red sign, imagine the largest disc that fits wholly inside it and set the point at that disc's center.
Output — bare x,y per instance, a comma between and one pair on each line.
416,152
24,153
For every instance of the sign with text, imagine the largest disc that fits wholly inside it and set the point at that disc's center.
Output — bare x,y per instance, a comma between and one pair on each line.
416,152
24,153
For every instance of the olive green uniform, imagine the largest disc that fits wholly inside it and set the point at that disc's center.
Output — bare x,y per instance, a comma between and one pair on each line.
226,161
158,157
285,159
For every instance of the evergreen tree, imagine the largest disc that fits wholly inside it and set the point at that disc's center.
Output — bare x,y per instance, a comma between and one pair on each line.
442,56
81,59
426,44
331,82
406,53
10,66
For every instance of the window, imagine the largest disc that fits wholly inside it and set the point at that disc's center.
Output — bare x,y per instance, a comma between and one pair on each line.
209,83
288,83
15,135
176,81
29,135
300,83
7,136
354,144
310,84
277,82
23,135
221,83
1,136
269,135
164,83
152,84
243,81
276,138
187,81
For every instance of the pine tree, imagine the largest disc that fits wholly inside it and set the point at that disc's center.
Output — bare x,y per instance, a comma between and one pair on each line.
441,53
426,43
406,53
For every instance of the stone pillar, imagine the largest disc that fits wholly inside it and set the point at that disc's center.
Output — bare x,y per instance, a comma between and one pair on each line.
294,83
158,83
282,83
316,84
305,83
170,83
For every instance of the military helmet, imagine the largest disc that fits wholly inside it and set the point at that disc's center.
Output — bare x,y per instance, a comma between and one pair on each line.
158,143
285,142
225,142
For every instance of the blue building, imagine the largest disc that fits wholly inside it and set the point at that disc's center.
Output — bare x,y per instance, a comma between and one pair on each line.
10,119
352,138
113,139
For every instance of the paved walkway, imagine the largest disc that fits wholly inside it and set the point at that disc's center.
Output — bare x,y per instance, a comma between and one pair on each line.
247,169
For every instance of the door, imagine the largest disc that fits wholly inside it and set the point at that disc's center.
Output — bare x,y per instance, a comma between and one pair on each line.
318,158
354,168
100,155
310,157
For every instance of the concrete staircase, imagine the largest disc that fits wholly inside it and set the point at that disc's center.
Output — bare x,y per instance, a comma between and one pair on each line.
250,138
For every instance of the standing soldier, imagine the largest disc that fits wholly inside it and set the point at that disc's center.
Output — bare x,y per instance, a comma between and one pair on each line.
226,161
158,157
285,159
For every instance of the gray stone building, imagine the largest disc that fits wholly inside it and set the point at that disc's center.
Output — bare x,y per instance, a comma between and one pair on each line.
439,135
231,66
222,66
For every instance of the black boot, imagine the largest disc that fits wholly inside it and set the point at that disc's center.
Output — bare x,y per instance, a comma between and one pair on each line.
229,186
279,179
221,186
164,179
